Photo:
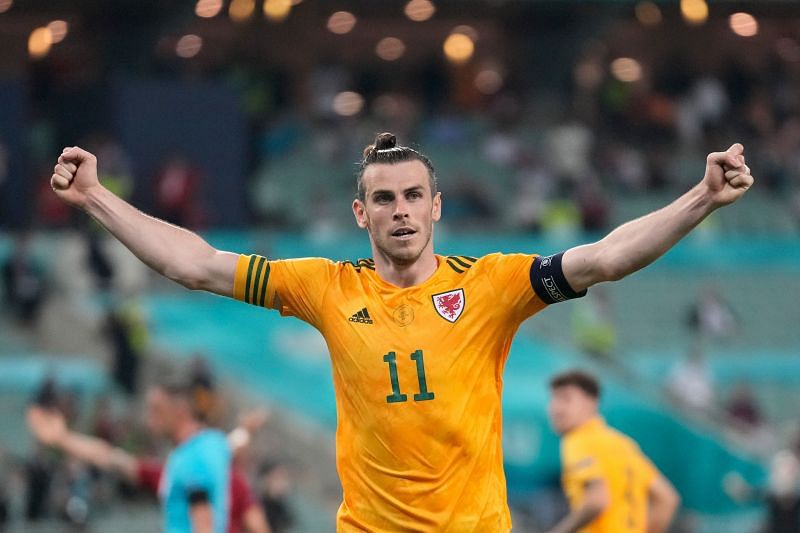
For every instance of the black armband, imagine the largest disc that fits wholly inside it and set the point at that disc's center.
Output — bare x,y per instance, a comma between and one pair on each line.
198,496
548,281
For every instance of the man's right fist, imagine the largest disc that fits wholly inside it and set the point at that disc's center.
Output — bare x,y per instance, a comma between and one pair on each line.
74,175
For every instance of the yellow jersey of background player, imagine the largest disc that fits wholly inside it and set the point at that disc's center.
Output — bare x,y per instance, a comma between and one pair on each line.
418,341
612,487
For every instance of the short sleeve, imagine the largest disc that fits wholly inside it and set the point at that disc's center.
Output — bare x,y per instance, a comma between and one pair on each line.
294,287
148,474
647,471
509,274
579,465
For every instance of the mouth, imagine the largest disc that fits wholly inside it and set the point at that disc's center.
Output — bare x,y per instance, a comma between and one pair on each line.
403,233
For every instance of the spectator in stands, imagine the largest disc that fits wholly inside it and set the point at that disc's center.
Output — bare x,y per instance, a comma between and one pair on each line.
712,317
689,383
128,337
177,191
275,483
24,281
593,326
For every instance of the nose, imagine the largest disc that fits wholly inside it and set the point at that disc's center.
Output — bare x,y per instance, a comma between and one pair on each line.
400,209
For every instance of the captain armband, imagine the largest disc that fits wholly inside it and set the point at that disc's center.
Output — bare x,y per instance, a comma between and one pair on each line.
548,281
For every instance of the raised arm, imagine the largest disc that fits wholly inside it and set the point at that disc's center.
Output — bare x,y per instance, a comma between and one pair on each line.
174,252
50,428
638,243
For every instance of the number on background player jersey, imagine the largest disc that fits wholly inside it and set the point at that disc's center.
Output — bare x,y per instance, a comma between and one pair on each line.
396,396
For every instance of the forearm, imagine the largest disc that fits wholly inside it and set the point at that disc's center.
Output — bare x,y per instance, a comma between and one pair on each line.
639,242
169,250
99,453
576,519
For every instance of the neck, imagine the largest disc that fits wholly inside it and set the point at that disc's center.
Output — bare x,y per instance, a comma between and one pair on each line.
185,430
406,275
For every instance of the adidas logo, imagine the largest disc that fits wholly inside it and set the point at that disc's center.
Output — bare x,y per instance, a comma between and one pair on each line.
362,317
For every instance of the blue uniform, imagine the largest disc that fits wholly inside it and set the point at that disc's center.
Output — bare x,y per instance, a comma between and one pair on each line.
197,470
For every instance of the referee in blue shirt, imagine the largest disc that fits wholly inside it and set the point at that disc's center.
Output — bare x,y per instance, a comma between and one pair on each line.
196,480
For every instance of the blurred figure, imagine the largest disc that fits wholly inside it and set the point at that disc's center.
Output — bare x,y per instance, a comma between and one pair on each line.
177,185
593,327
127,333
50,428
24,281
610,484
712,317
781,494
275,482
689,383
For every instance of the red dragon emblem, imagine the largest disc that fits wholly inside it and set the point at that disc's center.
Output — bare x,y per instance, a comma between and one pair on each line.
449,304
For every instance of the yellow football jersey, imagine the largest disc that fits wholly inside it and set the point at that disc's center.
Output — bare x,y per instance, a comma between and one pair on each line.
595,451
418,375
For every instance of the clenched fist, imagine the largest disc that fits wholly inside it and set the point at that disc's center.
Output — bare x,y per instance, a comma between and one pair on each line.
727,176
74,176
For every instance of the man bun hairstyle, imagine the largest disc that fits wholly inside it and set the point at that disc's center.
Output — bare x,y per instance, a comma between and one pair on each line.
386,152
577,378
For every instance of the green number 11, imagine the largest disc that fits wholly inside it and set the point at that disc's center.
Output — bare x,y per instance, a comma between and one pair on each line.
396,396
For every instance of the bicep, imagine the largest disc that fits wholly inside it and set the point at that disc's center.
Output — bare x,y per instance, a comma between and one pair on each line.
218,272
661,490
583,266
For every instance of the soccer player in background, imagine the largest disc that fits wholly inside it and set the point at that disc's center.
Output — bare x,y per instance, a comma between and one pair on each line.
50,428
418,341
612,487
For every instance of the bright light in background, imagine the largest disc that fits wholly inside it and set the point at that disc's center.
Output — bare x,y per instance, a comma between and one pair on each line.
188,46
39,42
744,24
469,31
695,12
648,13
626,69
488,81
420,10
5,5
341,22
459,48
58,30
208,8
277,10
390,48
788,49
348,103
241,10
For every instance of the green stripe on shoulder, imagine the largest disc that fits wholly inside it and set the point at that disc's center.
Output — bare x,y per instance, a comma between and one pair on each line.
248,282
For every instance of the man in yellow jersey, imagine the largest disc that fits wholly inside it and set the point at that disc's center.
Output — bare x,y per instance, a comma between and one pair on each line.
418,341
612,487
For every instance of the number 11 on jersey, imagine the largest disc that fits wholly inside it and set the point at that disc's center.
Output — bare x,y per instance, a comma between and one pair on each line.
396,395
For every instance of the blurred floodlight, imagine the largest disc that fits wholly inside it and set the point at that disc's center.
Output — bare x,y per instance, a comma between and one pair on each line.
39,42
241,10
744,24
626,69
459,48
420,10
208,8
788,49
277,10
488,81
341,22
390,48
469,31
648,13
188,46
694,12
5,5
58,30
348,103
589,75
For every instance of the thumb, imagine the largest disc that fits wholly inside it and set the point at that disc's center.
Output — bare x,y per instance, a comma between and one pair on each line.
77,155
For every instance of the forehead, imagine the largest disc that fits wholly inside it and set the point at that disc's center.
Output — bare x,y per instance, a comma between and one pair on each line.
570,392
395,177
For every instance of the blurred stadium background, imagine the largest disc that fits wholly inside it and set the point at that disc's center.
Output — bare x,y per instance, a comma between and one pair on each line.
549,122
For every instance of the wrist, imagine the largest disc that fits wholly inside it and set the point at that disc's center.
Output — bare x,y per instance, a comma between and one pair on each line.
703,198
93,199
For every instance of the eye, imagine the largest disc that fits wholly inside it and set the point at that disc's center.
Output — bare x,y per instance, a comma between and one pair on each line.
382,198
414,195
